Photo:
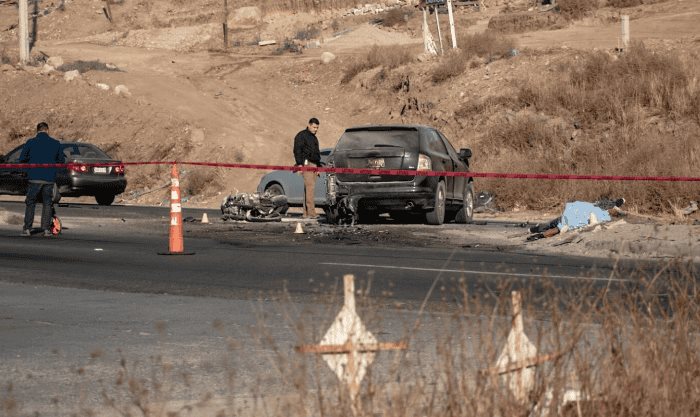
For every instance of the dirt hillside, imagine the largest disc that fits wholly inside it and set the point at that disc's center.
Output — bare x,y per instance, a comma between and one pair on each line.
190,99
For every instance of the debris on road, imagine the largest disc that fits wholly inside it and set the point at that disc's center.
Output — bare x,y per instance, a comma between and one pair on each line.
255,207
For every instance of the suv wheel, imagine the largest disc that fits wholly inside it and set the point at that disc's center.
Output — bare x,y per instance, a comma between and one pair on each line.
104,199
437,215
466,213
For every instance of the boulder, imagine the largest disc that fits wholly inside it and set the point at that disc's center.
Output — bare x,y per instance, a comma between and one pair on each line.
245,16
327,57
121,90
55,61
72,75
46,69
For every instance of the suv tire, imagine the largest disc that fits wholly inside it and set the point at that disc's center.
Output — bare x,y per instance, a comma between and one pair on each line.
437,215
466,213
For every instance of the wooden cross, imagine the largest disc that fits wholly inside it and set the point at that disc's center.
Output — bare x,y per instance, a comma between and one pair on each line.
358,343
519,355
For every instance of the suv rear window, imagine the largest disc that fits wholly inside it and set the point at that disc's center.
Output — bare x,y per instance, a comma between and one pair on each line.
365,139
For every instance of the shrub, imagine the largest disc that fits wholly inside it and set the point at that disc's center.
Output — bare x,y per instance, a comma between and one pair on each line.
526,22
576,9
388,57
85,66
394,17
486,45
604,89
450,66
310,32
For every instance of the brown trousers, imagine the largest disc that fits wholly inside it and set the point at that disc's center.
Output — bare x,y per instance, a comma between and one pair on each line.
309,185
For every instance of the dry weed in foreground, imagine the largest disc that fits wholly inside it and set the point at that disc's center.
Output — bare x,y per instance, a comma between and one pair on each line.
627,347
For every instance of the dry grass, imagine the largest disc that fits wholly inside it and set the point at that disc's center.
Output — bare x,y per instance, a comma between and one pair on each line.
85,66
488,46
387,57
631,3
576,9
635,115
299,5
526,22
395,17
604,88
628,348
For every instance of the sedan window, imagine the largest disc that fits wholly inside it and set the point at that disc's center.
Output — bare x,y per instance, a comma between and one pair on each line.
13,157
83,151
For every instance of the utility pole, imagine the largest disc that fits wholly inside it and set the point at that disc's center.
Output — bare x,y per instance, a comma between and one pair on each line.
225,24
452,24
23,32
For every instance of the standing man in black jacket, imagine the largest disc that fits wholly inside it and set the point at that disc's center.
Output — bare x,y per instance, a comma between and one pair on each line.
307,153
41,149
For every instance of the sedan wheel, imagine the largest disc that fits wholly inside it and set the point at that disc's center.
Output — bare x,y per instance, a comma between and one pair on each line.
437,215
104,199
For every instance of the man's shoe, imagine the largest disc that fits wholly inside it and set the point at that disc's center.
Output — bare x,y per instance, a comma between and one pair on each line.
47,233
26,233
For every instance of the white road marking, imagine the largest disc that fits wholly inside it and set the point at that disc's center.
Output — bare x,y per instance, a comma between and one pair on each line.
472,272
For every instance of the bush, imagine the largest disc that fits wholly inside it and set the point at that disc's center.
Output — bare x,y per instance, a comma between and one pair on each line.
604,89
85,66
576,9
450,66
388,57
488,45
526,22
394,17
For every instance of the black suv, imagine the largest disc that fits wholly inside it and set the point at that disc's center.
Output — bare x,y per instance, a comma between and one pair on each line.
364,196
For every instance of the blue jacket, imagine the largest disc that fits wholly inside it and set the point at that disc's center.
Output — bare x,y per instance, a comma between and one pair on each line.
42,149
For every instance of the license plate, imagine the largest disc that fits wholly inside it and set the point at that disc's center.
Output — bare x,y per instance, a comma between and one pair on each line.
99,170
375,163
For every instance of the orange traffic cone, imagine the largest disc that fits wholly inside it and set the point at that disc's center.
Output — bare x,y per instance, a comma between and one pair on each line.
176,245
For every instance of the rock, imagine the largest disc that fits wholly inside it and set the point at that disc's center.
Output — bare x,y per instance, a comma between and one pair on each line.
46,69
327,57
111,67
6,68
246,16
72,75
55,61
121,90
102,86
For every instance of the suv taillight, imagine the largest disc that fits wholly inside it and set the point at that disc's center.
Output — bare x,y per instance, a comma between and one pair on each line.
424,163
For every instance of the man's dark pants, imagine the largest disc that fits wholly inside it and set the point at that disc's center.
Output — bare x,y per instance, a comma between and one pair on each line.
34,190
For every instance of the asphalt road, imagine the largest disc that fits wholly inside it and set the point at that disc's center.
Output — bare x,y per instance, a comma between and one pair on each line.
117,249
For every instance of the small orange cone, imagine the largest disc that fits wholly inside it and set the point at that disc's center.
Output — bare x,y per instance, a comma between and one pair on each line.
176,244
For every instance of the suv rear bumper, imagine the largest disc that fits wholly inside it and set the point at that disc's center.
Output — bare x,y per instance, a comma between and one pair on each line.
388,196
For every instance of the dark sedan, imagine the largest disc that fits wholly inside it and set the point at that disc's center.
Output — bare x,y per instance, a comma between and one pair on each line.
103,182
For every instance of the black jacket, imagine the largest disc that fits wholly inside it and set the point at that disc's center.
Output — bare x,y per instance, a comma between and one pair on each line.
42,149
306,148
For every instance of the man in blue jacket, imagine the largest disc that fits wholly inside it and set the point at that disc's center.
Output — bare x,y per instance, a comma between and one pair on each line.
41,149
